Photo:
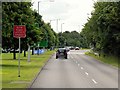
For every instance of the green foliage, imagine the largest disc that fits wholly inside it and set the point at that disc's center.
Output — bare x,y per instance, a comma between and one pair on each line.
20,13
102,31
72,39
111,60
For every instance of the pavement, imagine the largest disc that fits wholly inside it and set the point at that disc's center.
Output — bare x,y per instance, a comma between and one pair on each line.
78,71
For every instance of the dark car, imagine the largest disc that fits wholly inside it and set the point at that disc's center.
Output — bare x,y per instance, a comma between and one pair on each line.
61,52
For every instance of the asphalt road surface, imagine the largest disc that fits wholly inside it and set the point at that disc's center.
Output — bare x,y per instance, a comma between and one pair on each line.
78,71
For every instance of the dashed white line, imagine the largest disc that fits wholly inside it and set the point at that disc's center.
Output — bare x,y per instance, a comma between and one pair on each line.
81,67
86,73
78,65
76,61
94,81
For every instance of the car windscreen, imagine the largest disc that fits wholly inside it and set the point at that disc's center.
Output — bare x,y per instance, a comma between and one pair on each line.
61,49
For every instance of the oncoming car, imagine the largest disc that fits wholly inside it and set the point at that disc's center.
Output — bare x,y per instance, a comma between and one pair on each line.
61,52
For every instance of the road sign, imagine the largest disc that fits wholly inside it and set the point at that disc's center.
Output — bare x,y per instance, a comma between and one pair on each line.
19,31
43,43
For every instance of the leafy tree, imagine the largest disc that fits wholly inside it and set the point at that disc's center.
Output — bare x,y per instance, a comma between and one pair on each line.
20,13
102,29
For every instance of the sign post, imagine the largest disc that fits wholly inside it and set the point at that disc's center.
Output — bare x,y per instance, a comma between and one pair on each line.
19,60
28,53
19,31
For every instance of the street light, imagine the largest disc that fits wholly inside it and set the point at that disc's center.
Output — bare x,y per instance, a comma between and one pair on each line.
61,35
52,20
38,6
57,24
61,26
40,1
57,20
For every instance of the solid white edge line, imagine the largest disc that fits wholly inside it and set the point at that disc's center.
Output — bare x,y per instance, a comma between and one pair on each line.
94,81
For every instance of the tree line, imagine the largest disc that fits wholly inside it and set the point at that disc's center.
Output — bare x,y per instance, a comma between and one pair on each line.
21,13
102,31
72,38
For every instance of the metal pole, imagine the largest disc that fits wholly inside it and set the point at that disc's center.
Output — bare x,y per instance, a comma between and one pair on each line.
50,22
19,60
38,50
28,53
57,25
61,27
38,7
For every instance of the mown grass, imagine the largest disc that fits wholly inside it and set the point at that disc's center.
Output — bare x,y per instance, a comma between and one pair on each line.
28,72
107,59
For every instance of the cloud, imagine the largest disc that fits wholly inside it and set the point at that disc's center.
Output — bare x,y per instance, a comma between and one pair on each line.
71,12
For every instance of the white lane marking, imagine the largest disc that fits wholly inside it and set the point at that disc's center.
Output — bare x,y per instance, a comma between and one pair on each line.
78,65
76,61
76,53
86,73
94,81
81,67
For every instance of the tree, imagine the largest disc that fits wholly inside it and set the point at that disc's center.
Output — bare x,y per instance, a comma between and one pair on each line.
20,13
102,29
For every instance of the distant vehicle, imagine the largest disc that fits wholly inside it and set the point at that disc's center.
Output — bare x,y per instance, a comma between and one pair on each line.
67,48
61,52
76,48
72,48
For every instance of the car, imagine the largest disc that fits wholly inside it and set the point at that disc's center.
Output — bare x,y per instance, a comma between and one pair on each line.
61,52
67,48
76,48
72,48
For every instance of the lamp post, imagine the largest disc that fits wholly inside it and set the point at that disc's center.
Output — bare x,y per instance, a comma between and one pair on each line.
57,24
40,1
61,34
52,20
61,26
38,6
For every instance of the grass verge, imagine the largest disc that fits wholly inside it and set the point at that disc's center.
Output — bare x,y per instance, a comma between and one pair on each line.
29,70
111,60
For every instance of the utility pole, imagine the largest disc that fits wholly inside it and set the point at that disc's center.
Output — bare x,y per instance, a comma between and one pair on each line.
38,6
40,1
51,21
61,27
61,33
57,24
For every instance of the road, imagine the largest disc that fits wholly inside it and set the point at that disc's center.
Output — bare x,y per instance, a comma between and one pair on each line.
78,71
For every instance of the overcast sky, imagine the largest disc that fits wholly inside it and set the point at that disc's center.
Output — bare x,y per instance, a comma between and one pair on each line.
73,13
